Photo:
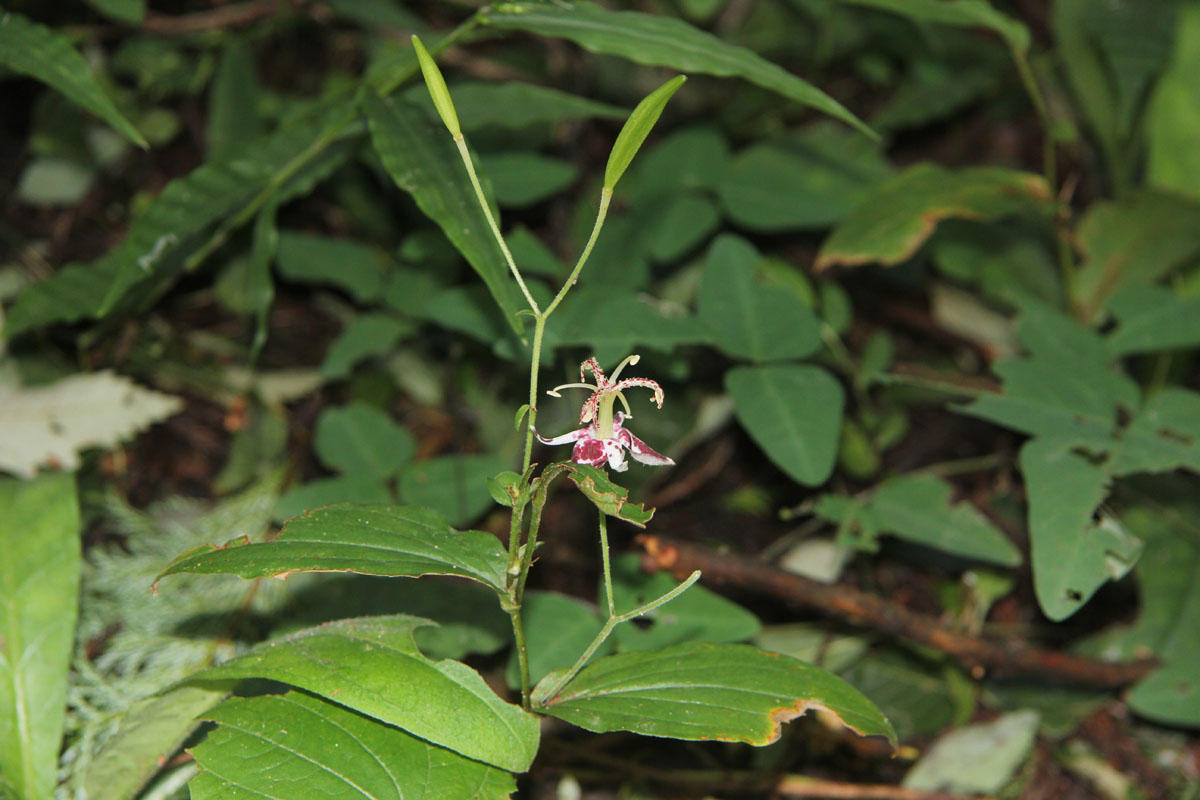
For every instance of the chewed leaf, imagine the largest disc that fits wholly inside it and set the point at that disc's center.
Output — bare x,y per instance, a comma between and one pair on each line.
607,496
698,691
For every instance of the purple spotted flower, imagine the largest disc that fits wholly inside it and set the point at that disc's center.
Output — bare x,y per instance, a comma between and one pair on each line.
604,437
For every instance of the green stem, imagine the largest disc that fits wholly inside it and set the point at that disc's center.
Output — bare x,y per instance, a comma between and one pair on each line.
601,213
461,143
611,623
604,559
518,627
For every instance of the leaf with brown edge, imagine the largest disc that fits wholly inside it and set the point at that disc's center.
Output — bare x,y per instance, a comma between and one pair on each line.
397,541
900,214
700,691
607,496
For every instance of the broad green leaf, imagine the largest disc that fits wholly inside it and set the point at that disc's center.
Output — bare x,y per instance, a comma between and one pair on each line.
558,629
295,746
425,163
1173,114
935,89
810,181
372,666
794,413
697,615
372,540
1163,435
455,485
353,488
367,335
609,497
691,158
50,425
150,731
131,11
679,223
169,237
33,49
39,587
1133,242
360,439
747,319
356,267
1164,513
436,85
521,178
488,106
910,692
917,508
977,759
233,117
1151,318
1072,555
636,129
960,13
1010,263
660,41
814,643
896,217
727,692
630,321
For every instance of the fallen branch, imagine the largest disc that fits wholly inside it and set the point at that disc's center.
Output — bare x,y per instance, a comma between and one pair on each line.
220,18
978,655
837,790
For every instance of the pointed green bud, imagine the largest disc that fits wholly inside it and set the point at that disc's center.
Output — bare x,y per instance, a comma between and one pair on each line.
637,128
437,88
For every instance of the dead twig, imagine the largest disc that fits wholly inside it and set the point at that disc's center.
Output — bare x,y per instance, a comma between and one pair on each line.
836,790
976,654
220,18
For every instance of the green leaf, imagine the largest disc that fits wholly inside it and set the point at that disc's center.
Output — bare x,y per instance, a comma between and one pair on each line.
610,498
39,587
794,413
352,488
660,41
912,694
633,134
747,319
960,13
557,629
360,439
167,239
259,289
516,106
977,759
150,731
1072,555
131,11
455,485
1164,435
917,508
697,615
295,746
630,321
372,540
1151,318
426,164
356,267
1173,114
366,336
900,214
727,692
233,118
438,92
1133,242
811,181
372,666
678,223
522,178
32,49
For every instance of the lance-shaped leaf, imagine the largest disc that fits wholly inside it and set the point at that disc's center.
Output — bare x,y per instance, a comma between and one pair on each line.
960,13
661,41
372,540
437,88
424,162
901,213
372,665
727,692
33,49
636,129
295,746
39,585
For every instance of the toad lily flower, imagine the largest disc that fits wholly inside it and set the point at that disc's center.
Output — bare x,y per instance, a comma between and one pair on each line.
603,437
